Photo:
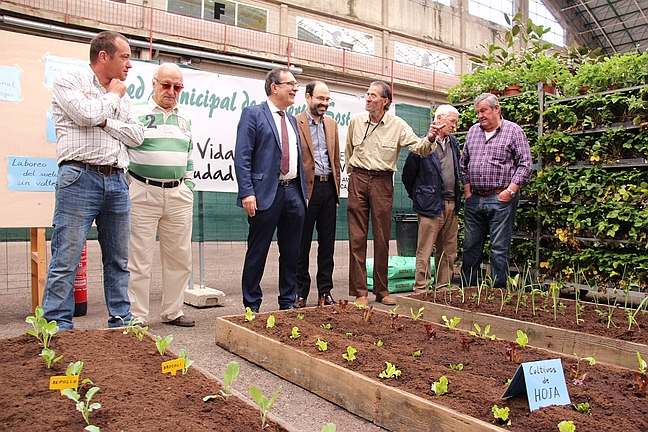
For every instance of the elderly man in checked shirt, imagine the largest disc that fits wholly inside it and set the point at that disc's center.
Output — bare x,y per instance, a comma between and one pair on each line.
495,163
94,125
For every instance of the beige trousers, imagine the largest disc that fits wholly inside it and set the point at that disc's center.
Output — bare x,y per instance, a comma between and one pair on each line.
169,213
438,235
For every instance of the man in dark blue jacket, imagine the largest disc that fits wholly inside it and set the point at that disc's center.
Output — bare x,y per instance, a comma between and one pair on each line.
432,182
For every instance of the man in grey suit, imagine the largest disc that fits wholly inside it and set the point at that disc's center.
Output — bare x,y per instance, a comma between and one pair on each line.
321,157
271,187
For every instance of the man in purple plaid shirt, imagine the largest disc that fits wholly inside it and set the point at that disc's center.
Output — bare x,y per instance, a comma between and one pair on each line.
495,163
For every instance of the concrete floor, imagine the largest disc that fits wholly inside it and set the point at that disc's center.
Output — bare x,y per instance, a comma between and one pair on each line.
223,262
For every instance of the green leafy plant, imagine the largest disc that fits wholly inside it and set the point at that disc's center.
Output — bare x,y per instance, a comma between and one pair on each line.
416,353
187,363
419,314
270,322
350,354
249,315
294,333
522,339
583,408
575,371
323,346
390,372
229,376
50,357
501,414
451,324
42,329
457,367
326,326
349,334
393,311
479,333
566,426
440,387
263,402
162,344
379,343
133,325
641,380
85,407
329,427
300,316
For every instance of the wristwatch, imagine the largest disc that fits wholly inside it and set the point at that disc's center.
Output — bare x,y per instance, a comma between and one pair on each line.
510,191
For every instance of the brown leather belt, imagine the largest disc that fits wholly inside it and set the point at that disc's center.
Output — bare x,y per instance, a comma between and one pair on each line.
487,193
322,179
165,184
101,169
371,172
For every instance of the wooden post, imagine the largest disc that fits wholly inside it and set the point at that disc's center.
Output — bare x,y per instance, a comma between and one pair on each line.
38,265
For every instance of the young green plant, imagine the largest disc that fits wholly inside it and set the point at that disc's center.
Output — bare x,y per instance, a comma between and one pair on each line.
42,329
390,372
270,322
501,414
440,387
50,357
350,354
162,344
479,333
85,407
566,426
229,376
249,315
263,403
187,363
419,314
321,345
451,324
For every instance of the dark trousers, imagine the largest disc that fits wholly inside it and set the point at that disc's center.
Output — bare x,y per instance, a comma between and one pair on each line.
369,192
287,215
321,214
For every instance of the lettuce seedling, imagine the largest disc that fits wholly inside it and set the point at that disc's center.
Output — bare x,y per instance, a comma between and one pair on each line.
50,357
465,344
392,312
501,414
162,344
641,380
451,324
416,353
394,322
349,334
342,305
367,314
270,322
294,333
85,407
390,372
379,343
566,426
583,408
350,354
249,315
522,339
43,330
300,316
326,326
642,363
323,346
430,331
456,367
187,363
511,353
440,387
479,333
419,314
263,402
575,370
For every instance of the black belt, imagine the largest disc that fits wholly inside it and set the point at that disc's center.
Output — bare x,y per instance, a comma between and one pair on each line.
488,192
101,169
166,184
285,183
324,178
371,172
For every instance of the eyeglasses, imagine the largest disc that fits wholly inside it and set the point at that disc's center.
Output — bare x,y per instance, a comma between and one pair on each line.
288,83
323,99
451,120
166,86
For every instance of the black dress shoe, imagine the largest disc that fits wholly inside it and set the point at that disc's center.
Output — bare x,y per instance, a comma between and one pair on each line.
328,300
300,302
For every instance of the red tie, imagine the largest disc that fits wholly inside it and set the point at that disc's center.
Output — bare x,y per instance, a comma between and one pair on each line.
285,150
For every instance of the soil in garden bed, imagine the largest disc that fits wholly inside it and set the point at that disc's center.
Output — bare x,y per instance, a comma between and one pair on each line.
590,321
134,395
473,390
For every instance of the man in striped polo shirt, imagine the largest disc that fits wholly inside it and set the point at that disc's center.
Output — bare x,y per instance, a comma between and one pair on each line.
161,191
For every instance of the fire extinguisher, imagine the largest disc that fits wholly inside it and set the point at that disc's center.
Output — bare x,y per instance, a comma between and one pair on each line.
81,284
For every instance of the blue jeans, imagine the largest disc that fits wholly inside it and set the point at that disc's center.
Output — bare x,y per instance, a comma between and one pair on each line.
81,197
483,216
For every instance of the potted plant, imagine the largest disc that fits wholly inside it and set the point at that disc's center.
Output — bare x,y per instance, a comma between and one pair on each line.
544,68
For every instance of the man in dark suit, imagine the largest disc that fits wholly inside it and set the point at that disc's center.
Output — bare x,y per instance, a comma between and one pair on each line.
321,154
271,187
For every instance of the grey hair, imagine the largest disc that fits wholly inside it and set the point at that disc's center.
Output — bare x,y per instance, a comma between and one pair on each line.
444,110
166,65
489,97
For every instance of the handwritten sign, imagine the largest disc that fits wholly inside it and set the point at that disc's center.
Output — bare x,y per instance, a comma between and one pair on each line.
31,174
173,366
54,65
64,382
10,83
544,382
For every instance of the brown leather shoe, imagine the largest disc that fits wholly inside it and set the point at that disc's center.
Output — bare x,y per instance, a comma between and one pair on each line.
362,300
388,300
300,302
182,321
327,300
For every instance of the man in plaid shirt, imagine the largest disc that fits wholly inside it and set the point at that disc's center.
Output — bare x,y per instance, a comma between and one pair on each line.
94,125
495,163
